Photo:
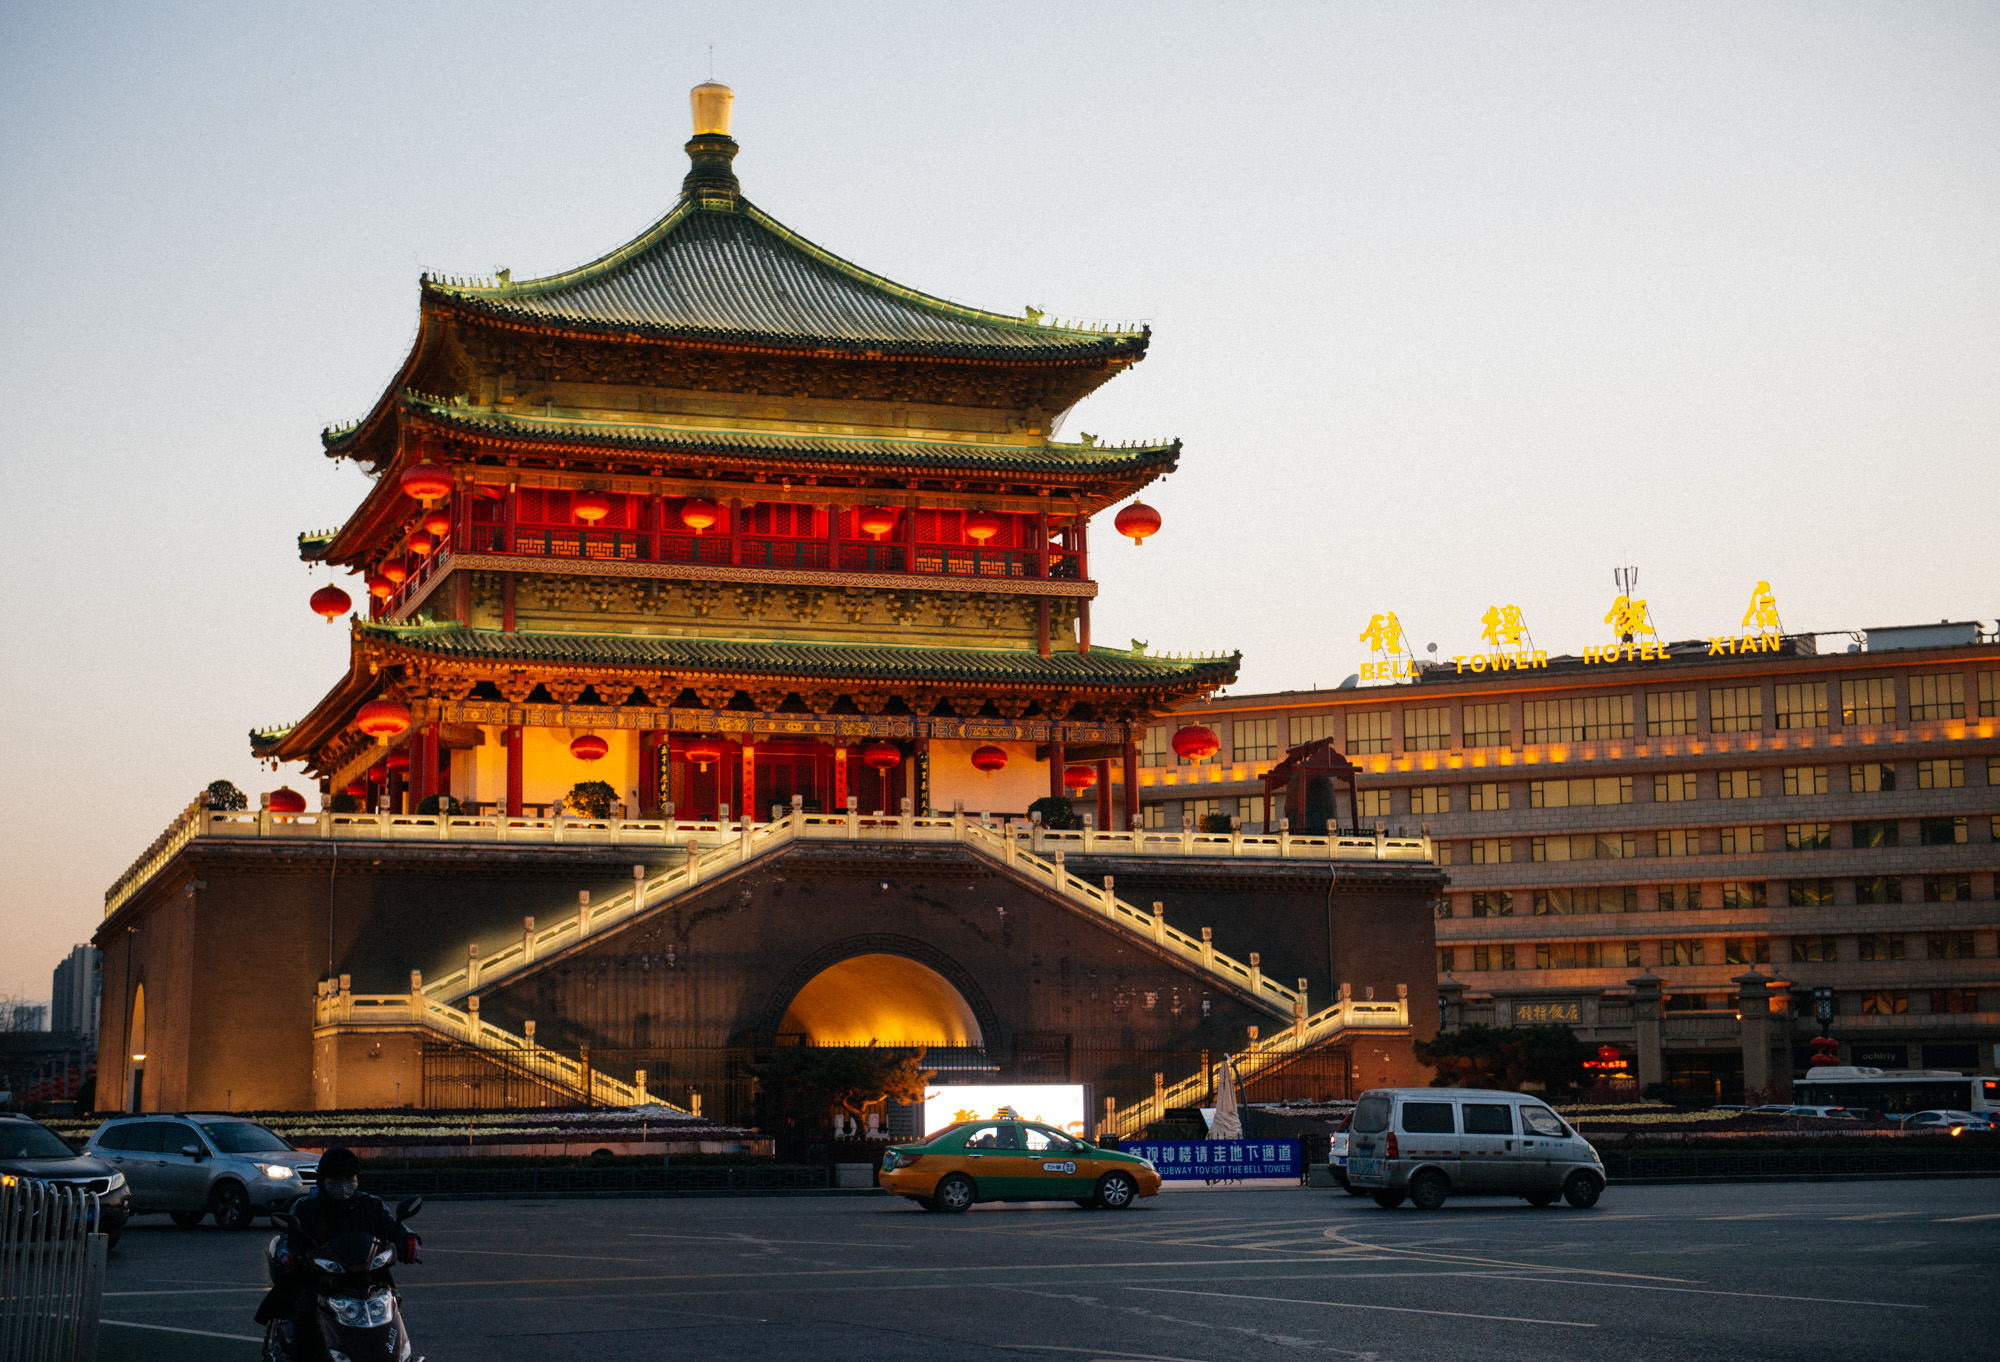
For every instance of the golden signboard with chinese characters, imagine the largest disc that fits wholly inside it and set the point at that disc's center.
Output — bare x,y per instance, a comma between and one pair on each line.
1384,635
1504,627
1547,1012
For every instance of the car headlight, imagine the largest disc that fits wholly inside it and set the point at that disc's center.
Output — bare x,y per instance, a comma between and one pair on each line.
1148,1163
114,1182
277,1170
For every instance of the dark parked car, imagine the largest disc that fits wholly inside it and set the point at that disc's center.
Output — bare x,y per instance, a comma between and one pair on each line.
30,1149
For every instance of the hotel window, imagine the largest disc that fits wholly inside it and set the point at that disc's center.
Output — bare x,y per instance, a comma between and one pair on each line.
1677,842
1312,727
1492,957
1250,808
1884,1002
1441,906
1427,730
1675,787
1679,898
1735,709
1802,705
1670,714
1989,695
1441,849
1941,696
1993,771
1445,961
1565,794
1367,732
1684,951
1254,739
1486,726
1745,893
1879,832
1492,851
1954,1000
1871,777
1872,701
1596,899
1943,773
1882,948
1587,846
1373,803
1814,950
1157,747
1879,889
1603,716
1430,799
1569,955
1805,780
1947,888
1746,950
1489,797
1739,784
1194,810
1498,904
1949,945
1809,893
1940,832
1155,815
1741,841
1809,837
1632,954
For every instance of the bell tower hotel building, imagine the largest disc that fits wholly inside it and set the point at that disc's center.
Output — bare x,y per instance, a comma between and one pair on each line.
1669,854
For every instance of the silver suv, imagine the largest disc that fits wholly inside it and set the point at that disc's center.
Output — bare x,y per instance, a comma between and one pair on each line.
192,1165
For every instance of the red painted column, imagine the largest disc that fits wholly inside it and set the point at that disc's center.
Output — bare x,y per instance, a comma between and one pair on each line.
1083,575
1131,782
516,766
649,773
1056,763
424,765
1104,793
735,530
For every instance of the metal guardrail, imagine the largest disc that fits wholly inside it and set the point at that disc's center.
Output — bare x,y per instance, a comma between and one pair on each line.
51,1272
1724,1165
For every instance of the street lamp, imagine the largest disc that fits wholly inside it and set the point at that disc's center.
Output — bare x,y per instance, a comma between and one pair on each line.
1826,1050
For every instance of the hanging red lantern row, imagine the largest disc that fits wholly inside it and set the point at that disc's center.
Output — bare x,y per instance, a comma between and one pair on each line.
703,751
1079,777
876,520
383,720
285,799
1196,743
1137,521
883,756
700,515
426,482
380,587
396,572
588,747
421,544
331,602
437,521
356,789
981,526
590,507
399,760
989,759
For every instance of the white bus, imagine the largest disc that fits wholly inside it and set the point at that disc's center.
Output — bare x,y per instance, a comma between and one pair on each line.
1896,1090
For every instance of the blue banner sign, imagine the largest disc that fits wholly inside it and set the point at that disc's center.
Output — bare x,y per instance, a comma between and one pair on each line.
1221,1160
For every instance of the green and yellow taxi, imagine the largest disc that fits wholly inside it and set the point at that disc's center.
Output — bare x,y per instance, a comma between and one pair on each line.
1014,1160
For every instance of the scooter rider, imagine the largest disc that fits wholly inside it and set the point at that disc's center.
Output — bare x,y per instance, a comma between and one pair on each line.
337,1206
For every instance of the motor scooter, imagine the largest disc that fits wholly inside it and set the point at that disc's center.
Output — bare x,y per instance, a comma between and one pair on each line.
356,1307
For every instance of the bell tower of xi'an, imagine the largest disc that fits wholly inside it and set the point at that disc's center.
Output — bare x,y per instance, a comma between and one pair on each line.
727,610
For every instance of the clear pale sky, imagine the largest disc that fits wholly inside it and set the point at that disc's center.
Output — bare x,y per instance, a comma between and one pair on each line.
1453,304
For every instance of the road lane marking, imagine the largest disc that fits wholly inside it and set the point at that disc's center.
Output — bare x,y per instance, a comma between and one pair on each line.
170,1329
1350,1305
1876,1215
1094,1352
1338,1236
1961,1219
1692,1290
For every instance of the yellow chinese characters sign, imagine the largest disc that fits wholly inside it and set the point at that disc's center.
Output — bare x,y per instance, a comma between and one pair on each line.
1384,634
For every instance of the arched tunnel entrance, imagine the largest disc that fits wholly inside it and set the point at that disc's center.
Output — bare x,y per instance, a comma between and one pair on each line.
884,999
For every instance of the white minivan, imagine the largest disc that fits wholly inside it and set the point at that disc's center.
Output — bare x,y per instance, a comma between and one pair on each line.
1431,1143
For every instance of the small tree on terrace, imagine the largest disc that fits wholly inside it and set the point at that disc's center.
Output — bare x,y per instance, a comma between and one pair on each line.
224,796
1507,1058
807,1083
591,799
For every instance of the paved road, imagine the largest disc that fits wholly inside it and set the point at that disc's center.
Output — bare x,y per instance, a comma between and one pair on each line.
1818,1271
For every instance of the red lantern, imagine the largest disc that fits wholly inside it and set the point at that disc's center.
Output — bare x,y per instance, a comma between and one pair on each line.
331,602
1825,1052
285,799
1079,777
883,756
1196,744
437,522
356,789
876,521
421,544
989,759
700,515
590,507
380,587
702,751
399,760
982,526
395,571
426,482
383,720
589,747
1137,521
377,774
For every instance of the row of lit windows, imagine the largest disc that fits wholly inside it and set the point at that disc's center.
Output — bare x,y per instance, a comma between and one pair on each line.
1731,709
1690,951
1673,898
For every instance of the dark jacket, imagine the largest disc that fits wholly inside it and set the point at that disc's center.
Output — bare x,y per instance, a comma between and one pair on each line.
322,1218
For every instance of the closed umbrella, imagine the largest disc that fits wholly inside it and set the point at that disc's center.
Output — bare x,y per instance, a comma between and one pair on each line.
1226,1125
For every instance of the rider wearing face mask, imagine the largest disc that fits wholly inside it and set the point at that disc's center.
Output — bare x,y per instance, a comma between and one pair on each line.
337,1206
